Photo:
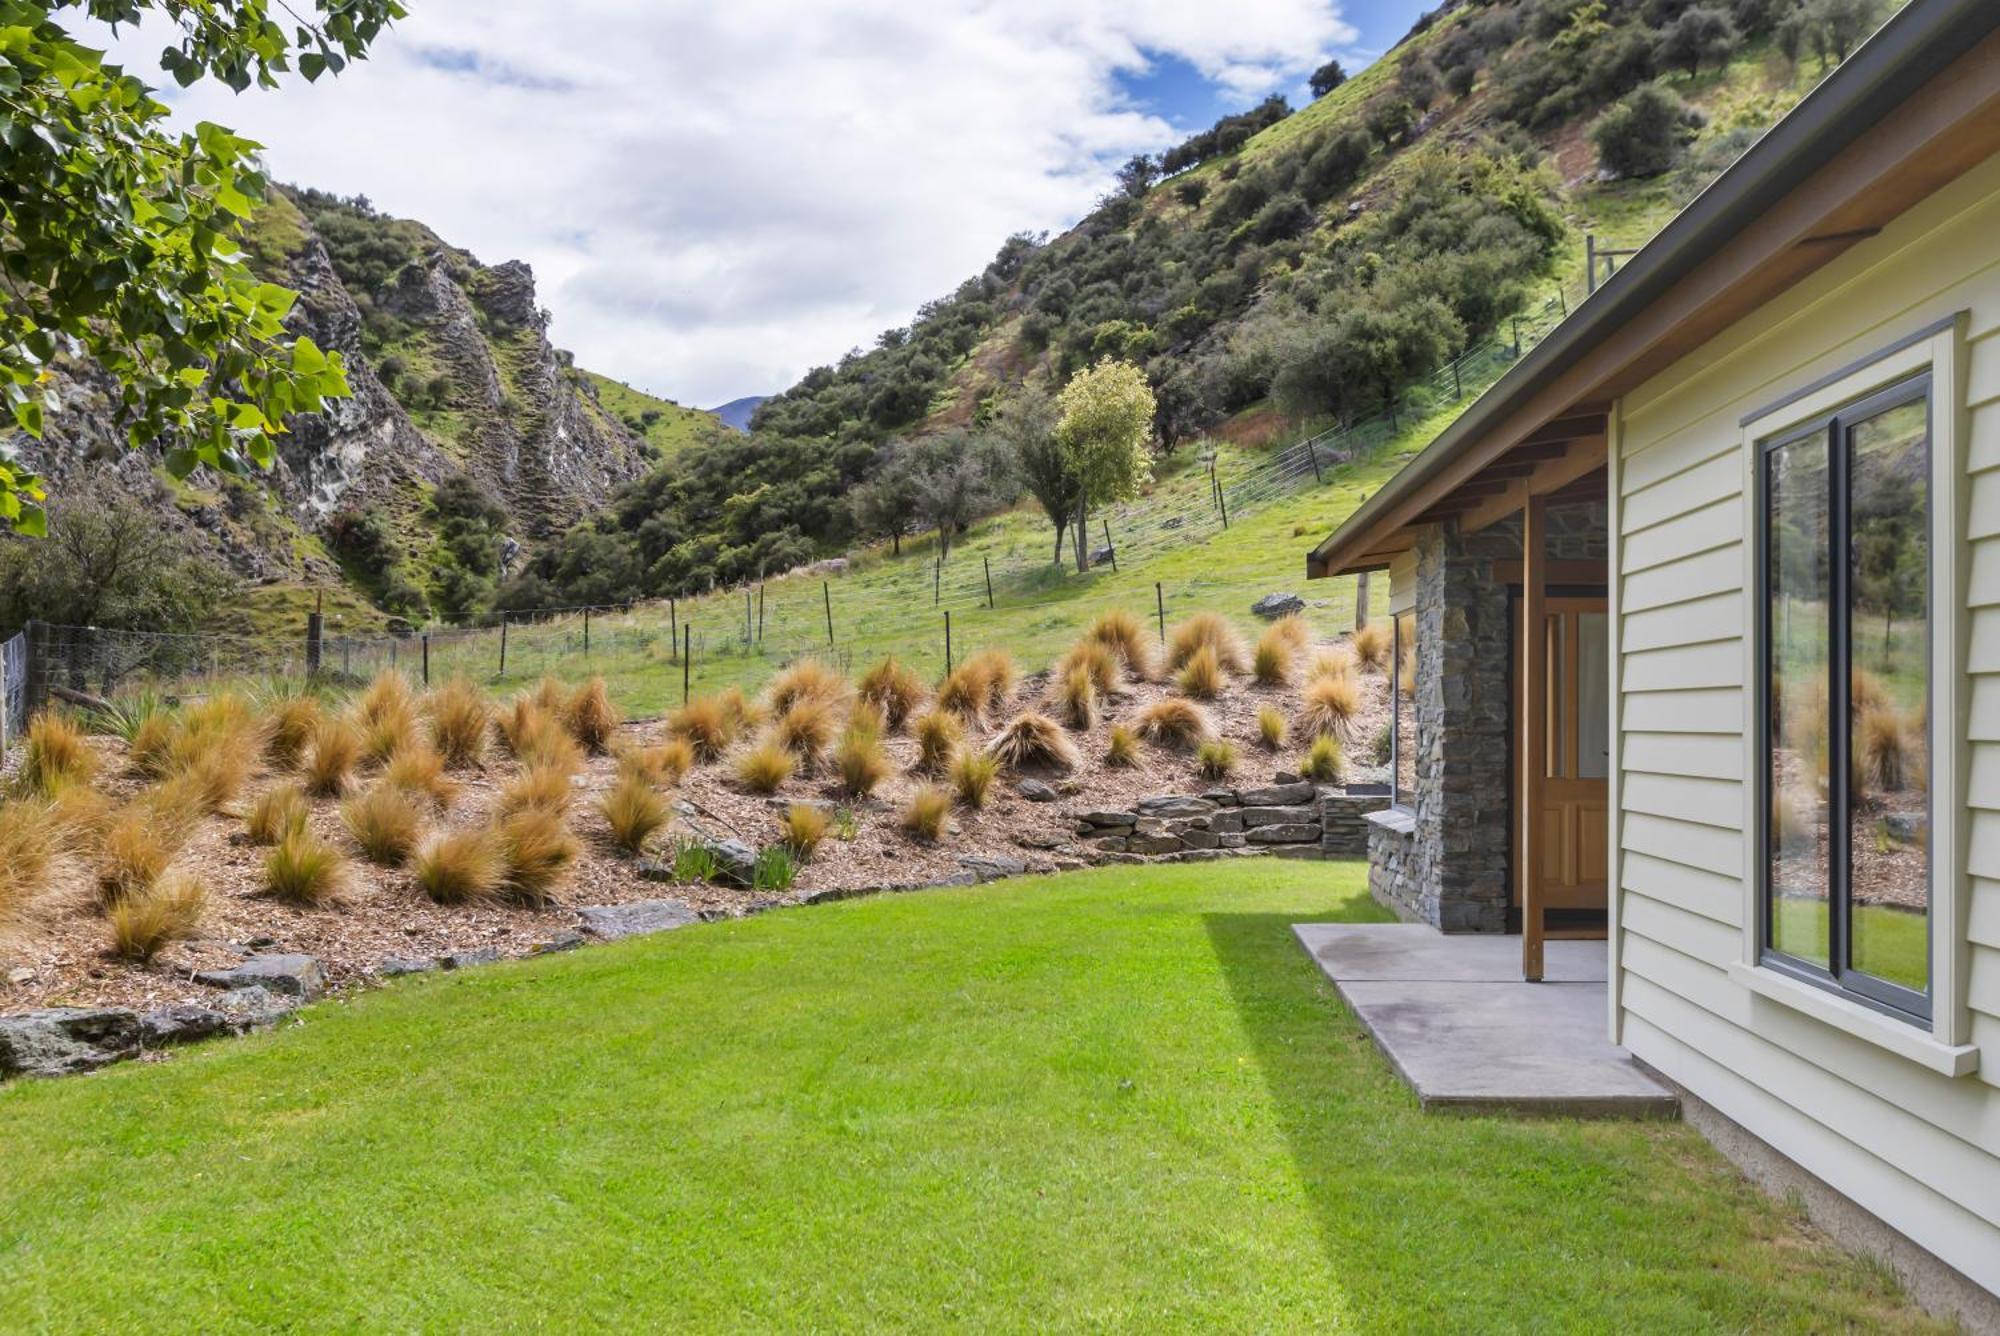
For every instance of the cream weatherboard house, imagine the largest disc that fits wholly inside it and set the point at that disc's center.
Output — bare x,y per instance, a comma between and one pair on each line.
1699,609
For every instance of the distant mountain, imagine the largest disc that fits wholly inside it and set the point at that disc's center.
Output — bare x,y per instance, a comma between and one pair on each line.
736,413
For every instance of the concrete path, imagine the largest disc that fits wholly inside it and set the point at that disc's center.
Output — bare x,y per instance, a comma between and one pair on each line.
1457,1022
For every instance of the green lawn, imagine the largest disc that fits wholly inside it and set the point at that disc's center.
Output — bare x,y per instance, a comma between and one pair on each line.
1122,1098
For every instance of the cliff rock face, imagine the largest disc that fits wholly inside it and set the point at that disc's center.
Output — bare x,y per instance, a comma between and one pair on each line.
451,371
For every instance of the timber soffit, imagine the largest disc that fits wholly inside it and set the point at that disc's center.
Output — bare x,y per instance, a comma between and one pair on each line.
1910,50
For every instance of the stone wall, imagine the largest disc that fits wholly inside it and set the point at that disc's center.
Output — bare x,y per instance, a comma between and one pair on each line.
1391,841
1292,816
1452,868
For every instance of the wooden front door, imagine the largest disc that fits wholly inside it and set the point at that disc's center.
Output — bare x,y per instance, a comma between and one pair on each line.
1572,798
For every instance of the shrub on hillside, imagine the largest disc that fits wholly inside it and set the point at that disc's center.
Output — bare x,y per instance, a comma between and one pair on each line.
1643,133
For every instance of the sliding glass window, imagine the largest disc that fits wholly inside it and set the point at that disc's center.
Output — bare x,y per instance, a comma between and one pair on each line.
1845,555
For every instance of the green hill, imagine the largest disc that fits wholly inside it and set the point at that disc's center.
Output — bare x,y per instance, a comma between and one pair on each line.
661,423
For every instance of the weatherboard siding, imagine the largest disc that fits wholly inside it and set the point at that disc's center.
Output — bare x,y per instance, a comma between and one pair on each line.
1918,1148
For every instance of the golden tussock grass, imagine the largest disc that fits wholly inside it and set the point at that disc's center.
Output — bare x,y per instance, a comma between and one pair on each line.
1076,698
147,922
1329,705
1124,635
307,871
1371,645
55,755
32,838
663,765
634,812
962,692
972,775
419,771
806,679
924,816
861,761
806,728
1334,661
765,767
1032,739
804,828
1178,725
1890,751
536,852
707,725
384,823
460,868
1271,663
288,730
893,688
1293,631
136,849
461,716
151,750
1271,728
1098,661
542,788
386,697
1201,676
332,758
938,736
1121,747
1210,630
278,813
591,717
996,669
1216,758
1322,760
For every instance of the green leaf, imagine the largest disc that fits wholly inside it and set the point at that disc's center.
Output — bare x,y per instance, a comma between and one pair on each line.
307,359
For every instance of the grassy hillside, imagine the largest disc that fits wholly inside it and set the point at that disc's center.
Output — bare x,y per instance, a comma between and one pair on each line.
661,423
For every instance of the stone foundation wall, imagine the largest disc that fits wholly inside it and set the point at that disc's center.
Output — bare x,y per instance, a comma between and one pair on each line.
1293,816
1390,880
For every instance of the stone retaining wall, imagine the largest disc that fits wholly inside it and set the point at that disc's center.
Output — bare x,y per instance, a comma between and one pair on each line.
1293,816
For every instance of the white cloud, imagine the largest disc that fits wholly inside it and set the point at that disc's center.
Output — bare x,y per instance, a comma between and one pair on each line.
716,197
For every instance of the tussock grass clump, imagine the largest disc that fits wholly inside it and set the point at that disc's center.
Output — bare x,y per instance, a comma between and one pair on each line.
1371,646
278,813
1890,751
1124,635
146,923
634,812
1216,758
805,729
893,688
288,730
1333,661
1098,661
383,739
1329,706
861,761
591,717
1076,697
1271,663
32,837
151,748
460,868
535,736
1270,728
803,680
938,736
1201,676
662,766
962,692
55,756
460,719
803,829
998,671
707,724
1034,739
384,823
765,767
81,814
1121,747
219,774
542,788
1175,724
972,775
549,695
1792,811
305,870
330,763
1322,760
926,813
1292,631
388,696
419,771
1207,630
536,853
1406,673
135,852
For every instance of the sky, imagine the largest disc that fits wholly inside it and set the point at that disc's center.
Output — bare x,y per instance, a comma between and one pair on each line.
716,198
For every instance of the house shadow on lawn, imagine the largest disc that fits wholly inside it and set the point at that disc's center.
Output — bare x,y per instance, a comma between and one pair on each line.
1466,1222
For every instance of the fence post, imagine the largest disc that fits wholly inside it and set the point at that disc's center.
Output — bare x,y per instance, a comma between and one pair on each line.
826,592
586,633
1222,501
760,612
989,580
1109,547
38,667
503,646
947,642
427,658
1457,388
674,622
1517,338
1313,451
687,662
315,631
937,580
746,614
1160,602
3,699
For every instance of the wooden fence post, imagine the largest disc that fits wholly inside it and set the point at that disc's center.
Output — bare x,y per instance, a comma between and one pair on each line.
503,646
687,662
1314,453
315,633
989,580
826,592
1109,547
674,622
427,658
586,633
1160,602
947,642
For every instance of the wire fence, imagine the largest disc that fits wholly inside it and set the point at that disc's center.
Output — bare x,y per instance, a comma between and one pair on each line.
657,652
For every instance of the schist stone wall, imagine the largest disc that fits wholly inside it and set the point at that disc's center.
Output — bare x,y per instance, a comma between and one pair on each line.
1446,861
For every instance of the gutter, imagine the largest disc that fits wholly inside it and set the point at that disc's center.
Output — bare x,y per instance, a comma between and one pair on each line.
1916,44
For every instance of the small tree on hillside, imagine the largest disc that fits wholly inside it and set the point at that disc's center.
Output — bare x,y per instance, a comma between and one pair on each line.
1327,78
954,484
1390,119
1642,134
1026,429
885,506
1107,412
108,562
1700,35
1136,177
